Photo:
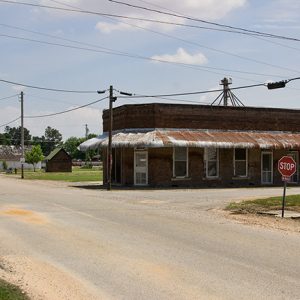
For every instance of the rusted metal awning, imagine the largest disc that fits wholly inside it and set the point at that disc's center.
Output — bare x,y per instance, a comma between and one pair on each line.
198,138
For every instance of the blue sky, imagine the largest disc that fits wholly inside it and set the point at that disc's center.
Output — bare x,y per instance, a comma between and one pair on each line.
240,57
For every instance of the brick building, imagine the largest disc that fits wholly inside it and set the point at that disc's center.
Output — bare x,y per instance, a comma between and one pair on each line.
199,145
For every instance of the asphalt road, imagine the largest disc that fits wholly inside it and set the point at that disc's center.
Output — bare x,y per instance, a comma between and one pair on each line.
142,244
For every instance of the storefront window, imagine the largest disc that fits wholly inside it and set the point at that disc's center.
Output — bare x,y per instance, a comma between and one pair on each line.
240,162
180,162
211,162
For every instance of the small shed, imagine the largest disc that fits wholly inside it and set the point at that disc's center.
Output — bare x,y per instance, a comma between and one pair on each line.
58,161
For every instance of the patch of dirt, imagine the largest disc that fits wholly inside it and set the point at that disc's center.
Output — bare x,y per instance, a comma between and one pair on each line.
43,281
271,222
24,215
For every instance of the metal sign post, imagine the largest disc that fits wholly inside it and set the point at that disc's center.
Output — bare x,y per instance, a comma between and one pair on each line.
287,167
285,179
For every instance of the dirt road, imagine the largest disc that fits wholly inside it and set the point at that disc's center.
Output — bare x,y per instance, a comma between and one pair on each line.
60,242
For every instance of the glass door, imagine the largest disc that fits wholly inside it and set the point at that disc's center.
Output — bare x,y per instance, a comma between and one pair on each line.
266,167
140,167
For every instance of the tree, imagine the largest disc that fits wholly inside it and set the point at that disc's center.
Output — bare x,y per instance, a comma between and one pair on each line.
51,140
12,136
4,139
71,144
34,156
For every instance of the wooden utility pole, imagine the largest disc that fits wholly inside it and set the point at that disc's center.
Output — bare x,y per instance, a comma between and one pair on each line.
22,135
109,150
86,137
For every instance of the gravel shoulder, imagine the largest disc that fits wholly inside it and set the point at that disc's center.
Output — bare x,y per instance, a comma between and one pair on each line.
265,221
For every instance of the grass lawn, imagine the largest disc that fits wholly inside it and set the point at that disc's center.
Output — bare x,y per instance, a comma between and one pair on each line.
292,202
77,175
11,292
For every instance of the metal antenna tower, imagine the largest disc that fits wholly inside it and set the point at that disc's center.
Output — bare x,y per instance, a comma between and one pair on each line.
227,95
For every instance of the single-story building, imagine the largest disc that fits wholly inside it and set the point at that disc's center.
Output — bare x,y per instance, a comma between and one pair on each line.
58,161
198,145
11,156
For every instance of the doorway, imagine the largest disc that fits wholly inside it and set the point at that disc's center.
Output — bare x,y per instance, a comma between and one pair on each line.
141,167
266,167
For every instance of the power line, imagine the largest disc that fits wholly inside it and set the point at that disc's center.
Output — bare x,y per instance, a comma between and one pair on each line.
9,97
191,93
3,125
230,29
65,111
46,89
114,52
265,34
132,25
146,29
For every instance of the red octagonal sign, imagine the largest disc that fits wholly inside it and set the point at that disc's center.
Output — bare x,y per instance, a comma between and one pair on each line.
287,166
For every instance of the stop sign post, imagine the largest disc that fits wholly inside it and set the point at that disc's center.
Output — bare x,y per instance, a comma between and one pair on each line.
287,167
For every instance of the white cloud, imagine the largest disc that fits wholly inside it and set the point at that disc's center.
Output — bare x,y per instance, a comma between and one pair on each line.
204,9
182,56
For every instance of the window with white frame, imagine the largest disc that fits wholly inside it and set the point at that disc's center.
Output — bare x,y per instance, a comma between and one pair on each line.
240,162
211,162
180,162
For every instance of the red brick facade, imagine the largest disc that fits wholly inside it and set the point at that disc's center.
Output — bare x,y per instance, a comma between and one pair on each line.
203,117
160,160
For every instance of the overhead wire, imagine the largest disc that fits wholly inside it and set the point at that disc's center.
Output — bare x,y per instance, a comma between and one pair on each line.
190,93
65,111
45,88
9,97
254,36
5,124
265,34
160,33
232,29
126,54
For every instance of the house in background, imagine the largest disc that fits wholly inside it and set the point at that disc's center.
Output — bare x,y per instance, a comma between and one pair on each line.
12,157
198,145
58,161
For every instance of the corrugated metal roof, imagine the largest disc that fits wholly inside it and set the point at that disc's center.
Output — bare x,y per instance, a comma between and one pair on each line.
198,138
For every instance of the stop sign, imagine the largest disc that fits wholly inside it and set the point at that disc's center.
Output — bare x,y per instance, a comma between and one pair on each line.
287,166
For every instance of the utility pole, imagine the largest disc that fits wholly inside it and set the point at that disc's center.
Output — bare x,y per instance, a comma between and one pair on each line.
22,135
86,131
109,150
86,137
112,99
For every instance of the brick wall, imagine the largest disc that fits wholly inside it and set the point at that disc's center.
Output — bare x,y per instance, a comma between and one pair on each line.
160,169
202,117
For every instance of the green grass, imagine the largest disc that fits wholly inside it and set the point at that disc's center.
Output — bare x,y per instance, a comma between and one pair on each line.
77,175
11,292
292,202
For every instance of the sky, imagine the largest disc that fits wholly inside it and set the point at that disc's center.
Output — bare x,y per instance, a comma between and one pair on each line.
60,49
